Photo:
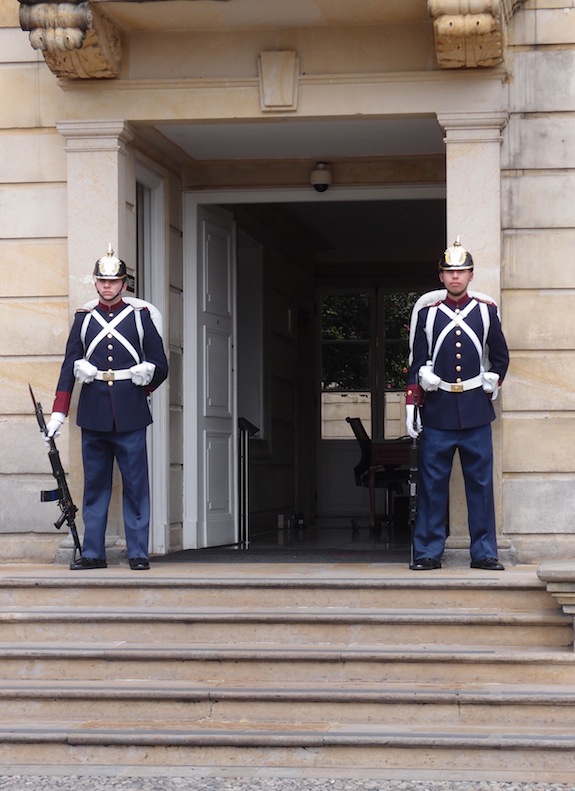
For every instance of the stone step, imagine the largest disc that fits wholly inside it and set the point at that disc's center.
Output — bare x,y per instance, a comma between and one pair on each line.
348,625
219,663
431,705
384,586
292,666
544,752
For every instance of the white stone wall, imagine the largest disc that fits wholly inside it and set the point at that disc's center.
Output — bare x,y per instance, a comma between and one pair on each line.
538,282
33,287
46,270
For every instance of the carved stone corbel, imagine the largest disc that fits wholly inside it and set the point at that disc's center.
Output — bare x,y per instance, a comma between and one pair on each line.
470,33
77,42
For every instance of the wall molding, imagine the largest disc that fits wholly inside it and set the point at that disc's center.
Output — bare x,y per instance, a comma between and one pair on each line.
79,42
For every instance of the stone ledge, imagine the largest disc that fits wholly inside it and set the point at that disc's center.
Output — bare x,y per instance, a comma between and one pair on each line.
555,571
559,576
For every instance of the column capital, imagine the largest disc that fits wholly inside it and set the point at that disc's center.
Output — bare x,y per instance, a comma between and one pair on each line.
473,126
95,135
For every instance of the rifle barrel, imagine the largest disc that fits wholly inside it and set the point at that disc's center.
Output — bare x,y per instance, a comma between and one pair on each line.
62,493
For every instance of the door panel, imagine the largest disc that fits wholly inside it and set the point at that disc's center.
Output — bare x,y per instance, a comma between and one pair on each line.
217,475
219,489
217,358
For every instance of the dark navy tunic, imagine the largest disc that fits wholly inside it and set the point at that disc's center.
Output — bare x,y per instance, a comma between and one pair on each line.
462,341
112,406
457,360
113,414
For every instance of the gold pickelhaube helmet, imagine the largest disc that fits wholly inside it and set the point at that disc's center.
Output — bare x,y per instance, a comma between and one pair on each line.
456,257
109,267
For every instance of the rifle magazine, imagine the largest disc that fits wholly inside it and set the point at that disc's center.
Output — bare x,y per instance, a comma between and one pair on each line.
50,495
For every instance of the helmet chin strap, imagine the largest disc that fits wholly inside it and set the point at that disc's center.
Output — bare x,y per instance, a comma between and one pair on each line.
115,298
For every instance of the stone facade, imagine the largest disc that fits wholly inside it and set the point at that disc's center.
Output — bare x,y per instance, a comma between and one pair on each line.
537,282
80,129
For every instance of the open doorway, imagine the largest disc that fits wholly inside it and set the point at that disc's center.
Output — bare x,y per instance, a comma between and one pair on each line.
291,252
363,361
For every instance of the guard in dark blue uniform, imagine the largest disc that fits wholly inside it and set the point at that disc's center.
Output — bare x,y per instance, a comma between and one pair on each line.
116,352
459,360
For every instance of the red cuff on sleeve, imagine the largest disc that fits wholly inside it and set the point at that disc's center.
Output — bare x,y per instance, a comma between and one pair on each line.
413,394
62,402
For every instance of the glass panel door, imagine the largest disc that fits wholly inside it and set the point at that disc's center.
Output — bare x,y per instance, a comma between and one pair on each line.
346,361
364,359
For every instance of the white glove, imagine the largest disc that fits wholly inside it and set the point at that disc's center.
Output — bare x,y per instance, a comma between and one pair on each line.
84,371
428,380
491,384
54,425
142,373
413,423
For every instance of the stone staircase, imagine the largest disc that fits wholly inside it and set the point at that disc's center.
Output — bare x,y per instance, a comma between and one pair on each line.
329,666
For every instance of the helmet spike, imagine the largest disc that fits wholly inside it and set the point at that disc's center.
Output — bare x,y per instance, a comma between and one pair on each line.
456,257
110,267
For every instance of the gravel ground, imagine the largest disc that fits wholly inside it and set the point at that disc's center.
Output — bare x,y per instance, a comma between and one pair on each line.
30,782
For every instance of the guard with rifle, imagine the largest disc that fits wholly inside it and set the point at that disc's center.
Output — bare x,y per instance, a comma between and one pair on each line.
115,351
458,360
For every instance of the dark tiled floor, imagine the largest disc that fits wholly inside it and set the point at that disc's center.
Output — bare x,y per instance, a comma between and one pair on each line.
308,544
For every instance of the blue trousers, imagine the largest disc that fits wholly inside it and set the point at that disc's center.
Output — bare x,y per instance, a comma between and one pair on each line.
99,449
436,451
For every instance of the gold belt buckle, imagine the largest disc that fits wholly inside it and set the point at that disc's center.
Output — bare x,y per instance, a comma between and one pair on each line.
108,376
457,388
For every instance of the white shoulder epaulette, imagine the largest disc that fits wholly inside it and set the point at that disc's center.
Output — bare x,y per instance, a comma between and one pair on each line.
137,304
434,298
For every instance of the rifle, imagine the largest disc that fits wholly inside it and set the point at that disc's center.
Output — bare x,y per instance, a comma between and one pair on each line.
413,472
62,493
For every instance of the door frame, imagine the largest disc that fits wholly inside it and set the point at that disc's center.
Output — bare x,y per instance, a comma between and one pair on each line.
156,291
192,199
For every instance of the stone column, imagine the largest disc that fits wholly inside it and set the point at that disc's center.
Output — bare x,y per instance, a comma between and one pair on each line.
101,210
473,185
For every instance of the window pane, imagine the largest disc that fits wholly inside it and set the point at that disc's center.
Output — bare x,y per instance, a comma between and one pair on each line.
336,406
398,314
346,362
397,307
345,317
396,359
345,366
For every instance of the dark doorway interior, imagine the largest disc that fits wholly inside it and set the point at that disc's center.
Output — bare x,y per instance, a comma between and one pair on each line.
302,492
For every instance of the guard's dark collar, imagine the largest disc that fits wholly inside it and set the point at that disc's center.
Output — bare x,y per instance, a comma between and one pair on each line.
457,303
108,308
